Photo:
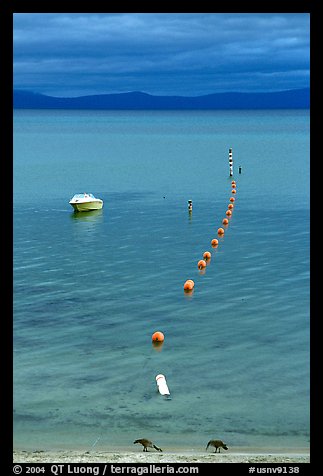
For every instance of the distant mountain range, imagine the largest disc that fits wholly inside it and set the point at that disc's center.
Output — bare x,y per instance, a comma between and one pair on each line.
291,99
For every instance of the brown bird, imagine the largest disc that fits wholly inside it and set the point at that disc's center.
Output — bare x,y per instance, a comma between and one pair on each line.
147,444
218,444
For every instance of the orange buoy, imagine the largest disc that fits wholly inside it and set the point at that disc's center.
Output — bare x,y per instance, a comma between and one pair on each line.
189,285
233,190
233,184
201,264
158,337
207,255
232,199
214,242
228,213
225,221
220,231
230,206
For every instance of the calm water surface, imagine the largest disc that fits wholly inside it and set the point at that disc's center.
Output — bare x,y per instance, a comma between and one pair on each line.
91,288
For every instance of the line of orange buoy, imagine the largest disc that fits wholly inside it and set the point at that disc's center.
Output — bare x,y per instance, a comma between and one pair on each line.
202,263
158,336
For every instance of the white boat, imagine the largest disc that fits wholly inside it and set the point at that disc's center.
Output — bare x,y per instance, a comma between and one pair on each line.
85,202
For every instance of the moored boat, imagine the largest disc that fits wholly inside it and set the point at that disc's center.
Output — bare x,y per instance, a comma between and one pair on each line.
85,202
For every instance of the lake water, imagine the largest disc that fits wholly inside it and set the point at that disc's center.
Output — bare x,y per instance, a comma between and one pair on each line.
90,289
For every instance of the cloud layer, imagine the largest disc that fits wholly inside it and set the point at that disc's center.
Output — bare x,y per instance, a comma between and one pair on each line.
168,54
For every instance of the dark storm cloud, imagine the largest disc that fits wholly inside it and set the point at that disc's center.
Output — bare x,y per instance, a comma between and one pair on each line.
187,54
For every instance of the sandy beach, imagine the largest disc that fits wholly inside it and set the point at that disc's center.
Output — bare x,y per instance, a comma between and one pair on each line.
238,455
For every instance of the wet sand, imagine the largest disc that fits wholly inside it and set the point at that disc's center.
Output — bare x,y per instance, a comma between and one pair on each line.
238,455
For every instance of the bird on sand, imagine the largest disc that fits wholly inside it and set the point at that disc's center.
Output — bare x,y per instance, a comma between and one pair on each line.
147,444
218,444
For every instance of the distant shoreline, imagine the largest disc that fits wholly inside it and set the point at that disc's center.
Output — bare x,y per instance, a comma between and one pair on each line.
138,101
254,455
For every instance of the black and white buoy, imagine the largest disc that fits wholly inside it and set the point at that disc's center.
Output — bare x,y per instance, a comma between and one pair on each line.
230,162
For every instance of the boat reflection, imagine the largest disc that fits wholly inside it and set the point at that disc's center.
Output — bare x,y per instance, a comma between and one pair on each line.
90,216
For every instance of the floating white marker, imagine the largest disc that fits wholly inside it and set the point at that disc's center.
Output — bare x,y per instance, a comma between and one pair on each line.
230,162
162,385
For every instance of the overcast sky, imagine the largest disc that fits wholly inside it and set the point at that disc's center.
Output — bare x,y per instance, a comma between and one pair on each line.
187,54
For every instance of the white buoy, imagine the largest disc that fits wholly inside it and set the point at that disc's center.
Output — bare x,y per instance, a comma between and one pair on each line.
162,384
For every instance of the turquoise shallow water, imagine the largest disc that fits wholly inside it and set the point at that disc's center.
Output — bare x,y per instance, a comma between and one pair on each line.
90,289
